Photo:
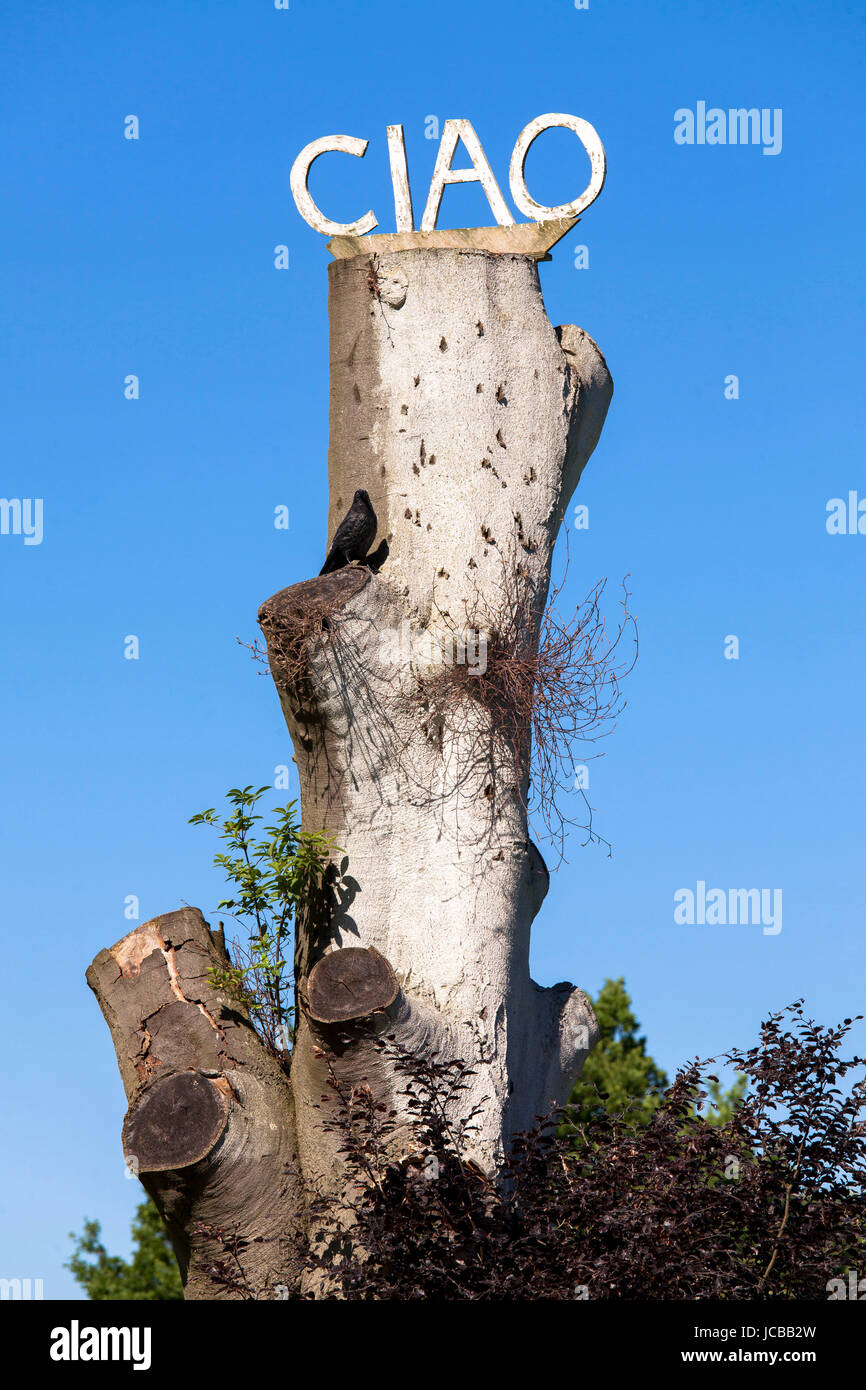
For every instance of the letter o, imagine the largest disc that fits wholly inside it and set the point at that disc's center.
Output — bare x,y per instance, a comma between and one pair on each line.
588,137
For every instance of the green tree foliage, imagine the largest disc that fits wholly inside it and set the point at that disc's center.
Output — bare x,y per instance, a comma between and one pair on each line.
619,1075
151,1274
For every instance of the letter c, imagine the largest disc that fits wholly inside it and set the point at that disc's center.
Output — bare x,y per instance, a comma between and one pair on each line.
343,144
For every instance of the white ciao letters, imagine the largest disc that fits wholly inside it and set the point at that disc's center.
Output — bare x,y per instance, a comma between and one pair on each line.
479,172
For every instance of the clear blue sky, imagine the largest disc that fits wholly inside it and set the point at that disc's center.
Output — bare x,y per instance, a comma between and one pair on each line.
155,257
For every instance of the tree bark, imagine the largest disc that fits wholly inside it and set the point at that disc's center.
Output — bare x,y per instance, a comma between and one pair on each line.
468,419
210,1124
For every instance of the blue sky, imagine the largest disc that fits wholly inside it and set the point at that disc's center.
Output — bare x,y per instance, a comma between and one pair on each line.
156,257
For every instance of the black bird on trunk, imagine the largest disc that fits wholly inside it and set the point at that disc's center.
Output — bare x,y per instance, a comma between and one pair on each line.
354,535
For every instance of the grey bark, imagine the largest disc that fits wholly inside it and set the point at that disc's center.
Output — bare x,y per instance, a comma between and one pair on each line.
468,418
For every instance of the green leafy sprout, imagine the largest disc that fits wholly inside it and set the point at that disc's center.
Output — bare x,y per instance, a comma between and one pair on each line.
273,877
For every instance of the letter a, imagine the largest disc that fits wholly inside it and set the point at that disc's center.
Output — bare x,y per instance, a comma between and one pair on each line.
480,172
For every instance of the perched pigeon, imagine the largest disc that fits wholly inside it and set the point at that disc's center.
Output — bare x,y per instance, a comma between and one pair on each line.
354,535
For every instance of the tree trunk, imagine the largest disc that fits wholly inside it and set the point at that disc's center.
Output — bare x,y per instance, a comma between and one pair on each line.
468,419
210,1125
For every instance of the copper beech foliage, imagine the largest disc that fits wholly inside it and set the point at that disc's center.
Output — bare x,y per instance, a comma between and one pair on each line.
767,1206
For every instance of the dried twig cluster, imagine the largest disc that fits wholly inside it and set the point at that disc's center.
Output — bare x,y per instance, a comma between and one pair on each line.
548,683
288,634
